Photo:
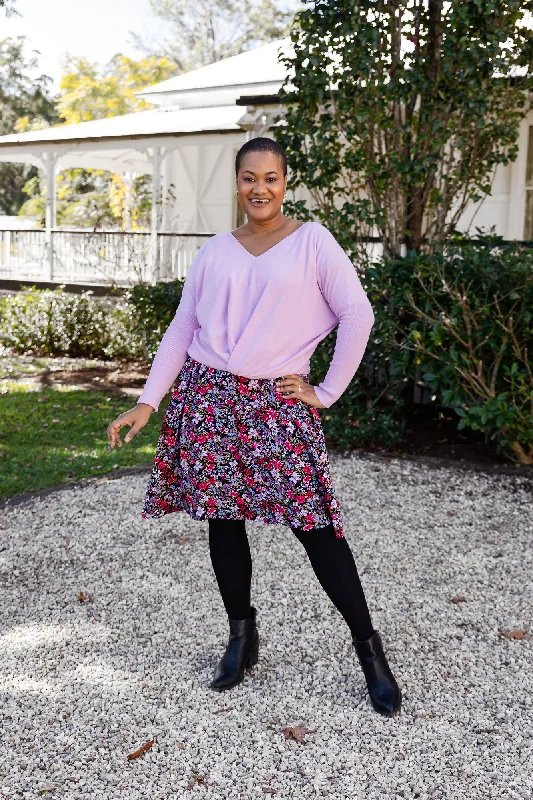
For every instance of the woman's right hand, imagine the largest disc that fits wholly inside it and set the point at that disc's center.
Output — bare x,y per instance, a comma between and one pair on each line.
137,417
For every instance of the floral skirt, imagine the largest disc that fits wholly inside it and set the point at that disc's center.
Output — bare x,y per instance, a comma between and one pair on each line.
235,448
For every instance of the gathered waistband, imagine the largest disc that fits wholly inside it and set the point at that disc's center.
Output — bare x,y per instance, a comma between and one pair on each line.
227,375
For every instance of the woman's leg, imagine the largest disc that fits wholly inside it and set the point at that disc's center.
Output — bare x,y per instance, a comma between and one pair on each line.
232,563
333,563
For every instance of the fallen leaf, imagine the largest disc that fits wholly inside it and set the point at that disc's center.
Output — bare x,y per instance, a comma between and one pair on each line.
85,597
297,732
220,710
458,599
183,539
268,790
143,749
46,789
515,634
196,779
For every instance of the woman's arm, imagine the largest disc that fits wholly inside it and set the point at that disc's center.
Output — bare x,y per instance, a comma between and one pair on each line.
172,351
342,290
169,359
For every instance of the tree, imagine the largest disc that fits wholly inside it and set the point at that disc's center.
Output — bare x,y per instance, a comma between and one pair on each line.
9,7
89,197
399,112
209,30
20,96
86,93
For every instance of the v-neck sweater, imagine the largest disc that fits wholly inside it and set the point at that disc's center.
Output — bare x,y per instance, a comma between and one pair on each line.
263,316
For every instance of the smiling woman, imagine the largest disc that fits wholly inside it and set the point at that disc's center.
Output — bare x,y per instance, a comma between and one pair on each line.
242,438
261,186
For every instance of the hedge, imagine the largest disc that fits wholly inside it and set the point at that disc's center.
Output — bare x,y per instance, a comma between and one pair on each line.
50,322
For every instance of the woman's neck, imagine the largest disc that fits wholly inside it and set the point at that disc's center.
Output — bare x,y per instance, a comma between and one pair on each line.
253,227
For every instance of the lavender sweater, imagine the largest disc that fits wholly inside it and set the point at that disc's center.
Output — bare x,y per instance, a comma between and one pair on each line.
263,316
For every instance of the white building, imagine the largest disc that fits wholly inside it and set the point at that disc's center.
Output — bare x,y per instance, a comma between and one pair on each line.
188,144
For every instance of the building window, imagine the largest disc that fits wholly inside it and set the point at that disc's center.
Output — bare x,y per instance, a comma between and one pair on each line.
528,221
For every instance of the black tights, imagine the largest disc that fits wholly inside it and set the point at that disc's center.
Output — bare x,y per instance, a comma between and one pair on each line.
331,559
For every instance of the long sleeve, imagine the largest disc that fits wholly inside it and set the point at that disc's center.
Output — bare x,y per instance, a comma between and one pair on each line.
172,351
342,290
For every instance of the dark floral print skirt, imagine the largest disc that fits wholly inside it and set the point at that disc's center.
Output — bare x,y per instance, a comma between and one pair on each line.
235,448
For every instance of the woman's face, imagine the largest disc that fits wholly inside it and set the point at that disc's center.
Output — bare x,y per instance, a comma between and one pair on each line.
261,178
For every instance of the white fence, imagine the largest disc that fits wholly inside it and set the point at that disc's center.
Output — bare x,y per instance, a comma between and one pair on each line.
96,257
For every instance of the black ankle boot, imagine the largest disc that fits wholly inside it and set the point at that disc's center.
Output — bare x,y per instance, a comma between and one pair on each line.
385,695
241,652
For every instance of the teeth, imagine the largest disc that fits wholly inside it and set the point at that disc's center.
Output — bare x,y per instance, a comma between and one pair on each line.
260,202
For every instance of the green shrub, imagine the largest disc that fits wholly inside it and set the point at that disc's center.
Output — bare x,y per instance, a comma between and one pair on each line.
367,414
152,308
46,322
463,327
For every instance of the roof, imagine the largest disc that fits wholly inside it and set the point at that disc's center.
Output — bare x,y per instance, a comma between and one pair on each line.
156,122
257,66
206,102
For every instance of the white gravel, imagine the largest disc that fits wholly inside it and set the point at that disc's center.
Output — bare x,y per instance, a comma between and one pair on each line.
85,683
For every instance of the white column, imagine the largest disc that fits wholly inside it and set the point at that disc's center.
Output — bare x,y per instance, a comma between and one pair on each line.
156,212
49,164
128,198
517,184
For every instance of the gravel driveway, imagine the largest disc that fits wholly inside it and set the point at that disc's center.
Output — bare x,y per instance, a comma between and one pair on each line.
85,682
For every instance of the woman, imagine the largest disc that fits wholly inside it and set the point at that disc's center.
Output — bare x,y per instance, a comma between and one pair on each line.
242,437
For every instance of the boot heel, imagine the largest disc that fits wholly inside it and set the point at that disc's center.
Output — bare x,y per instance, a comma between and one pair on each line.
253,658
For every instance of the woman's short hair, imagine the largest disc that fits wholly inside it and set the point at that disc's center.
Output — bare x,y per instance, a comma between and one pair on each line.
260,144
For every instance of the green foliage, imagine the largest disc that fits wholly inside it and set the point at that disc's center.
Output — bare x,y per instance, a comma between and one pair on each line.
398,114
9,7
464,328
153,309
20,96
53,322
87,93
366,414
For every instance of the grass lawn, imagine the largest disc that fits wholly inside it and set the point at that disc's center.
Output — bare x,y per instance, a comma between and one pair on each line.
58,434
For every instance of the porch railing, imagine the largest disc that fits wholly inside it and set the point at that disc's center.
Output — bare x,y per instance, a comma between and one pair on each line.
96,257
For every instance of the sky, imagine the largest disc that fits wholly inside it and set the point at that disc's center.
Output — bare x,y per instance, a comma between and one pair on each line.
93,29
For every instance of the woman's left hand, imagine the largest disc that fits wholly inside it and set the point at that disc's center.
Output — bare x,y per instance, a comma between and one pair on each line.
288,387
